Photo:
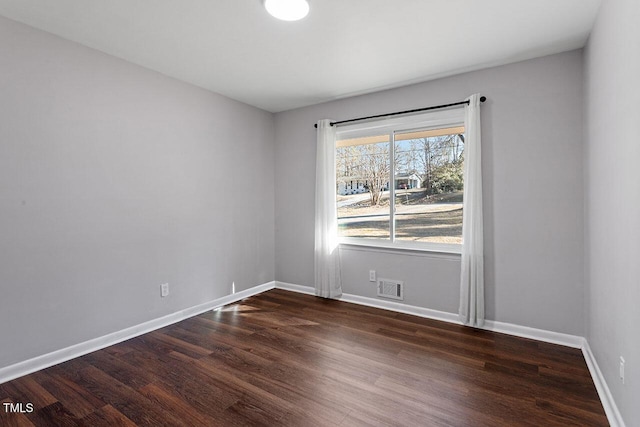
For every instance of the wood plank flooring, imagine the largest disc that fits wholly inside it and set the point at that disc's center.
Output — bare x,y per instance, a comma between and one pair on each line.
285,359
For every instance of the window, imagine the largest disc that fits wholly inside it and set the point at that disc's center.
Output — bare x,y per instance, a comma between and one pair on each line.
399,182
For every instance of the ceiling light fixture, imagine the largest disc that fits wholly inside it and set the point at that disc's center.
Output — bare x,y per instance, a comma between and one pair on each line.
287,10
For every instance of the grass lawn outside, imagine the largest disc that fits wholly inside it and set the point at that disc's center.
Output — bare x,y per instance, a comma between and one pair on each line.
419,217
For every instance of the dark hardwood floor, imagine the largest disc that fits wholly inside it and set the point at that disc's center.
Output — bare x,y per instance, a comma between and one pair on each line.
281,358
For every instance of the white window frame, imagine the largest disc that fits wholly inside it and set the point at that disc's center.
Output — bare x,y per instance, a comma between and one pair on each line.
425,121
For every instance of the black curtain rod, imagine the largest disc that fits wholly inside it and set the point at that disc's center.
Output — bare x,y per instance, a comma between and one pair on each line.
397,113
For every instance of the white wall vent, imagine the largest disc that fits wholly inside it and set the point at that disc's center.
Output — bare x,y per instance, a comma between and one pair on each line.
388,288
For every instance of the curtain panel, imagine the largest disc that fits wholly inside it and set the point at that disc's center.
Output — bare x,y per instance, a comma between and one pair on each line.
472,269
328,283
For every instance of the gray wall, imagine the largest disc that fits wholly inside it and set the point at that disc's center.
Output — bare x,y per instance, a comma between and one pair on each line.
612,67
533,193
113,180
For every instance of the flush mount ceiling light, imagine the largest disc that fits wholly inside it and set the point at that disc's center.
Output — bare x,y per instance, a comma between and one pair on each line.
287,10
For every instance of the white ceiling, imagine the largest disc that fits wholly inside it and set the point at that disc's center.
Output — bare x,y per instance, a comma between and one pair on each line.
343,48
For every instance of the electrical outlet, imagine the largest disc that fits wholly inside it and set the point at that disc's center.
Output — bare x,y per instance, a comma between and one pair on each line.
164,289
622,369
372,275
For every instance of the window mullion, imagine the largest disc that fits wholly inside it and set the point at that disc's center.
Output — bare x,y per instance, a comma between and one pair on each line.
392,186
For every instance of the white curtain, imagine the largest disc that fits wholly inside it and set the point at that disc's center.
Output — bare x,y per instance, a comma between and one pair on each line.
328,283
472,274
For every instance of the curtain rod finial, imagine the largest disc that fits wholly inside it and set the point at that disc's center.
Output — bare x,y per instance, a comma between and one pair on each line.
483,98
330,124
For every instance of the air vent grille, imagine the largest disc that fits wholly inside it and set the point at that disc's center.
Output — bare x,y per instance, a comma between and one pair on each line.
388,288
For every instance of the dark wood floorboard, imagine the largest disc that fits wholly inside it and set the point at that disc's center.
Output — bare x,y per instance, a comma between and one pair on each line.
285,359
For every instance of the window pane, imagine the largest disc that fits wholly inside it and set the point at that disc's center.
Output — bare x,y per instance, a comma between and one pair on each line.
428,183
362,181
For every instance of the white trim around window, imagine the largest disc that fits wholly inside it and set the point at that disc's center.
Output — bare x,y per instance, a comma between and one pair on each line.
444,248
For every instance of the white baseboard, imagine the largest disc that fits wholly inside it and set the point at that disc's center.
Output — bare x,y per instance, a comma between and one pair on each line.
490,325
543,335
401,308
610,407
295,288
377,303
26,367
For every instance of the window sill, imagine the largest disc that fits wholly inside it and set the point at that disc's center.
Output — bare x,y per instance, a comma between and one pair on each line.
435,248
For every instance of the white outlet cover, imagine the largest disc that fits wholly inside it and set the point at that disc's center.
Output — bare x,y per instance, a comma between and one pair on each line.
164,289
